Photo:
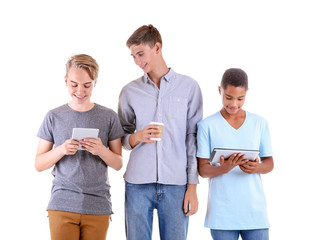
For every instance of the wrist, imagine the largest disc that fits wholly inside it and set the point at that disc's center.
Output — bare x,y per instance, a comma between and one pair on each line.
61,150
224,169
134,139
192,187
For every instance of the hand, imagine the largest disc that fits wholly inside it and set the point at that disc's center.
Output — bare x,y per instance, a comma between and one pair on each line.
92,145
250,166
234,160
144,135
190,206
70,147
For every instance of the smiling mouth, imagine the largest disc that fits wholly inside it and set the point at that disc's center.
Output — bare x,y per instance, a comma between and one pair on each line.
144,66
79,97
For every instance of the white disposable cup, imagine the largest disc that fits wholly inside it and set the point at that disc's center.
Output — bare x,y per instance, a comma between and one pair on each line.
161,127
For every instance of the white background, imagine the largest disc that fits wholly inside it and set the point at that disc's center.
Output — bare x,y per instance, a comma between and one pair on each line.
270,40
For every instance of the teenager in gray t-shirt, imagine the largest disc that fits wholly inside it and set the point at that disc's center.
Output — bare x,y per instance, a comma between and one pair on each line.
80,182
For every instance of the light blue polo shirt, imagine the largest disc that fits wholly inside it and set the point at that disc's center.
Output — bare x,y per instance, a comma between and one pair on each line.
236,200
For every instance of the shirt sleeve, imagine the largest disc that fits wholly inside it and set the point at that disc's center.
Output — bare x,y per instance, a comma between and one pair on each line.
127,118
203,145
265,142
116,130
194,115
45,131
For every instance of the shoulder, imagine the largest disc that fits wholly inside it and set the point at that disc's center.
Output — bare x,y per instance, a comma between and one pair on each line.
256,118
104,110
185,79
134,84
58,110
209,120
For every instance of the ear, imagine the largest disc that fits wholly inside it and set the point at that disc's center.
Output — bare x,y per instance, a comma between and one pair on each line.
65,79
95,81
158,47
219,88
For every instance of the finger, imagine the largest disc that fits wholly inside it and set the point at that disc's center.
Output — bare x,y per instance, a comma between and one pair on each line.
72,141
191,211
88,142
221,160
153,126
232,157
240,159
185,206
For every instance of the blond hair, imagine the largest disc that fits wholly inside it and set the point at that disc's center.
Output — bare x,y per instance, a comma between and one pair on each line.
85,62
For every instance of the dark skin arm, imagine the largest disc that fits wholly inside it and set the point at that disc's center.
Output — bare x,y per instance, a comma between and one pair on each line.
206,170
264,167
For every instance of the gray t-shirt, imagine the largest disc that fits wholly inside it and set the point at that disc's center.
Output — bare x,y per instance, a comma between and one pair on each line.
80,182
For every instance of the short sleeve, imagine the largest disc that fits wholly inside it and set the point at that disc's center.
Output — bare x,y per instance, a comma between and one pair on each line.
203,144
265,142
116,130
45,131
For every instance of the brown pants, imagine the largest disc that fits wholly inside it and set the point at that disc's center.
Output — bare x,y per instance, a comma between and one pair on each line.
75,226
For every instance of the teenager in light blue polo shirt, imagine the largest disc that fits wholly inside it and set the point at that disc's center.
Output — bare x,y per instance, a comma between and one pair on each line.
236,203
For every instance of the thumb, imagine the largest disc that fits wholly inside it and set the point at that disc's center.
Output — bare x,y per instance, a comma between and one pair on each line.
185,205
221,160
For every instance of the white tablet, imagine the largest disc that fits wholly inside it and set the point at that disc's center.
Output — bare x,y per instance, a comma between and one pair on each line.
81,133
218,152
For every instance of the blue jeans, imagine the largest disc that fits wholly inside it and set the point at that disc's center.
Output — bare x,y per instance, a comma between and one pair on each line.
256,234
140,202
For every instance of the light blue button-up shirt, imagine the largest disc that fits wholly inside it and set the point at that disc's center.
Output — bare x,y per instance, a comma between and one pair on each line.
177,104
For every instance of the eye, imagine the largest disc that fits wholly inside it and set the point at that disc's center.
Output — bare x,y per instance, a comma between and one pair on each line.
87,85
74,85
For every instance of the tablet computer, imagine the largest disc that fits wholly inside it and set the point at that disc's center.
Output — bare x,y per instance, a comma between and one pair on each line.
226,152
81,133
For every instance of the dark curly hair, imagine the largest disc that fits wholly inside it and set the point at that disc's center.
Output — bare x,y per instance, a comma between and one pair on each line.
235,77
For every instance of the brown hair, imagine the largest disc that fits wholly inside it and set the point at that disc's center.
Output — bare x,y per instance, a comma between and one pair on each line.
147,34
85,62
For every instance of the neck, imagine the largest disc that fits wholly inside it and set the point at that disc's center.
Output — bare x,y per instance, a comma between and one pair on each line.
81,107
157,74
239,114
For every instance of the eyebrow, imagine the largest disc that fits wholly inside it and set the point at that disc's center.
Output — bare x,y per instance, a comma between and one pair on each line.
232,96
137,53
83,83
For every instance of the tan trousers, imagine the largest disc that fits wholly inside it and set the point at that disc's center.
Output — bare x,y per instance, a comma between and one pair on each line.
75,226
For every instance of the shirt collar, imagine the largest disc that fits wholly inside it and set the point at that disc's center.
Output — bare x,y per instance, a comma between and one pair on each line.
168,77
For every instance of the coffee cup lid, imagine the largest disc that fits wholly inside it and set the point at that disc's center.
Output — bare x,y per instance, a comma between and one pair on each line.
157,123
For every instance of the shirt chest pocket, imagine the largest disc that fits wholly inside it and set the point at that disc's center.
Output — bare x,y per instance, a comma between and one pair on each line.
177,107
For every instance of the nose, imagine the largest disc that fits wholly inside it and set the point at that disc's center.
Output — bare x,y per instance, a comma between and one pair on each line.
137,61
234,103
80,89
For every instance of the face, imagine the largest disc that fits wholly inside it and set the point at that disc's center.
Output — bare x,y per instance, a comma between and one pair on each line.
79,85
233,98
144,56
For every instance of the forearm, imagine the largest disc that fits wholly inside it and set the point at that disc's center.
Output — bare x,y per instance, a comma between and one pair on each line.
212,171
192,165
111,159
46,160
134,139
266,165
206,170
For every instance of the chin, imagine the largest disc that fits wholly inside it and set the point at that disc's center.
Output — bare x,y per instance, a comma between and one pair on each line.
232,112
